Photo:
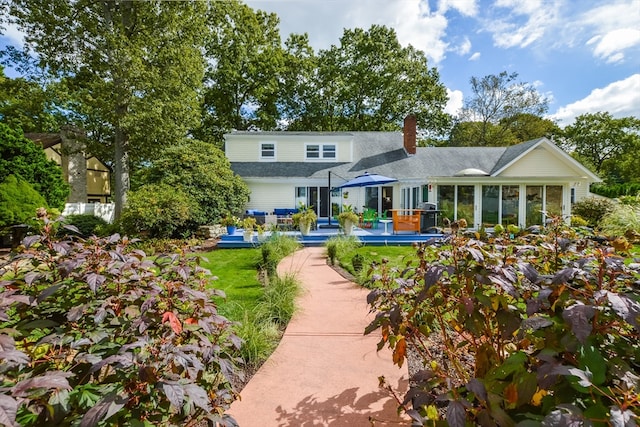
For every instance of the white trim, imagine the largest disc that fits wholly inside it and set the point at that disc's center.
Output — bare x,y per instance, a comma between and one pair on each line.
558,152
321,152
275,151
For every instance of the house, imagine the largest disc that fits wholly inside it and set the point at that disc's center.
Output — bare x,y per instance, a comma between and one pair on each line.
519,184
88,177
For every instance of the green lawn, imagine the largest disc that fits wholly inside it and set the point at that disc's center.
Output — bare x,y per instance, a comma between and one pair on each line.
395,254
237,277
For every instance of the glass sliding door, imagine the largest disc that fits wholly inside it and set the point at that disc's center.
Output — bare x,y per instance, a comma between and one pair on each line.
446,202
371,198
465,202
510,204
490,205
387,200
553,200
534,205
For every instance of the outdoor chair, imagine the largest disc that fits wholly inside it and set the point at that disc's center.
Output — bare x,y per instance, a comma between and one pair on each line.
370,218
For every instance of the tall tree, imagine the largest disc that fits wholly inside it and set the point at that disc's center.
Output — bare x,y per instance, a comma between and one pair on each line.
497,102
244,54
25,104
607,144
368,82
133,68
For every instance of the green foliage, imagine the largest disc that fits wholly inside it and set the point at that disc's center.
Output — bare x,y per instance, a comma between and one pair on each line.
22,157
277,303
141,92
622,220
158,210
85,223
95,334
25,105
578,221
357,262
592,209
539,330
608,145
202,172
366,82
339,246
245,60
616,190
274,249
500,112
18,201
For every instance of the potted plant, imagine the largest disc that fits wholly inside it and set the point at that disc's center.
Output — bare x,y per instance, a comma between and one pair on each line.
261,228
247,225
304,218
231,222
347,219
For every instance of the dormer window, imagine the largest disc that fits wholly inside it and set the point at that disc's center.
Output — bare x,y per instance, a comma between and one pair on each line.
320,151
267,151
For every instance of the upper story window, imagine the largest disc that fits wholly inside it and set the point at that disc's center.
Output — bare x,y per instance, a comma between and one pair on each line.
267,151
320,151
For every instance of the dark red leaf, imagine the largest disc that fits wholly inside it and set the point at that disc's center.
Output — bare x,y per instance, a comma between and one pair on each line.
578,316
50,380
8,410
456,415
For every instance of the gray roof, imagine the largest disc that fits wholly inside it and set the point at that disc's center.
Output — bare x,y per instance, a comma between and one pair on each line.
383,153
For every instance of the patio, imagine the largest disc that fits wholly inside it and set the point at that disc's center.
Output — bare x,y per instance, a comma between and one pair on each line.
368,236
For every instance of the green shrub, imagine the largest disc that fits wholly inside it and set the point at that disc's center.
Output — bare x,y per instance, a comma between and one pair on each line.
277,303
536,331
624,219
592,209
20,156
18,201
94,334
630,200
158,210
357,262
85,223
338,246
274,249
616,190
201,171
578,221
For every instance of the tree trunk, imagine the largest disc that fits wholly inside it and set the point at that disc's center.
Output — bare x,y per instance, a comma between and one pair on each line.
121,161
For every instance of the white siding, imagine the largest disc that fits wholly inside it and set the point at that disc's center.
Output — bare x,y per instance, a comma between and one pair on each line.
268,196
540,163
289,148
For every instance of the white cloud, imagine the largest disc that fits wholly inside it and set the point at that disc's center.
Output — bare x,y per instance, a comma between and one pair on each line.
610,46
15,37
475,56
620,99
454,104
519,24
413,21
465,7
465,46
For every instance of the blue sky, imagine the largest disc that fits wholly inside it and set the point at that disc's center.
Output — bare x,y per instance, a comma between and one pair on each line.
584,55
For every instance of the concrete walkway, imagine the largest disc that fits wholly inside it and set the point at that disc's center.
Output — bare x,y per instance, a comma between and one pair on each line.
324,371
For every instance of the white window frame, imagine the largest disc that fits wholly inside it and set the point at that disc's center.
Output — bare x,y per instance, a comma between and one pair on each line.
268,158
321,151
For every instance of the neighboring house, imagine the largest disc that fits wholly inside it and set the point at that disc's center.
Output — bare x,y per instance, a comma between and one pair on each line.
88,177
484,185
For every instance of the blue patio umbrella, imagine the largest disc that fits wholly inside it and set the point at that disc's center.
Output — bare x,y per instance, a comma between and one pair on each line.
367,180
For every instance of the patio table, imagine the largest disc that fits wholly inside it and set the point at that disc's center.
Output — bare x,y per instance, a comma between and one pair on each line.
385,222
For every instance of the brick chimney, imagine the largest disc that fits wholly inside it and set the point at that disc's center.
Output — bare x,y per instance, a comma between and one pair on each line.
410,134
